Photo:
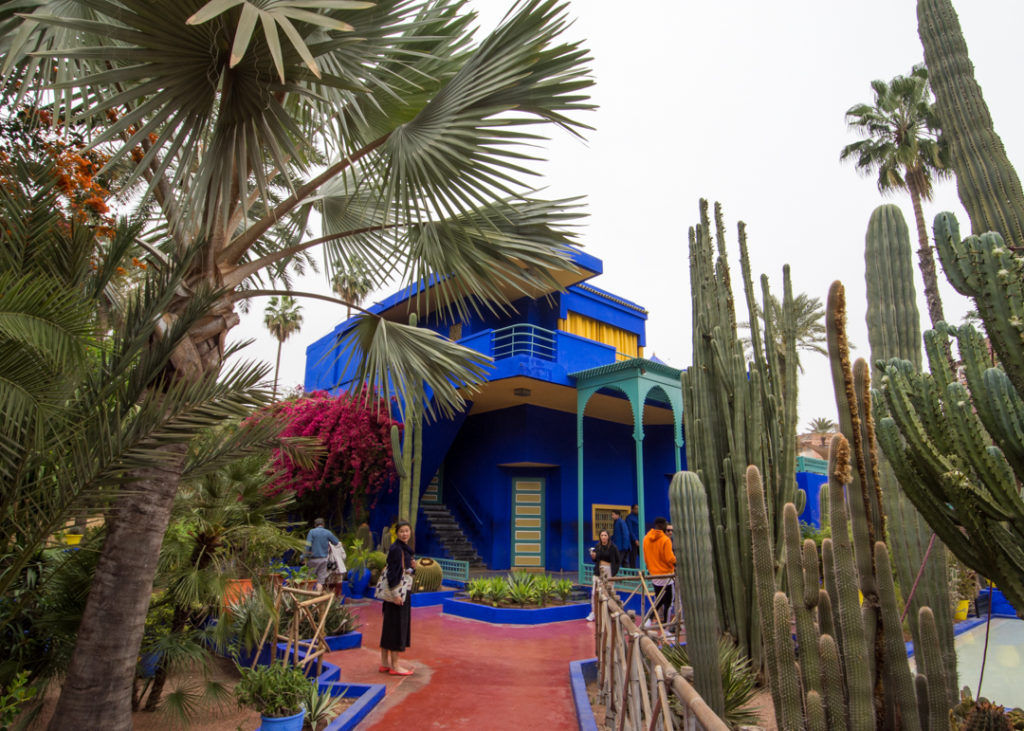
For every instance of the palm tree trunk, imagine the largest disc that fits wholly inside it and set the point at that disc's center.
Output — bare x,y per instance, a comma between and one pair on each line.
97,692
277,368
926,261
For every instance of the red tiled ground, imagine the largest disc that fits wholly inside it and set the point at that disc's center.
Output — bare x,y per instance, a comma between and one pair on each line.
471,675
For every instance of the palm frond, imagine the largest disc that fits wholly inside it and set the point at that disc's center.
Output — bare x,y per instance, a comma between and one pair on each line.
415,362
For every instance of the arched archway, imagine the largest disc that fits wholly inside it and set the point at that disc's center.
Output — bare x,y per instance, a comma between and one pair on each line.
637,379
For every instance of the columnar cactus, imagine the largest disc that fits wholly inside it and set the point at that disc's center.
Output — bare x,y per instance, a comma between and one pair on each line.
408,457
894,331
837,681
986,181
695,577
958,450
738,414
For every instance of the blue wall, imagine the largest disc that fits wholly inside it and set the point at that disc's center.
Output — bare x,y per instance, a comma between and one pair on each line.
811,484
473,475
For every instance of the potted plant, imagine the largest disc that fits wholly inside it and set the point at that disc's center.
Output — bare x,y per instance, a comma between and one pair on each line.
277,692
73,535
302,578
358,559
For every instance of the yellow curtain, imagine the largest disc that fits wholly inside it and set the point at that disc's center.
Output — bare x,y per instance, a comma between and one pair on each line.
623,341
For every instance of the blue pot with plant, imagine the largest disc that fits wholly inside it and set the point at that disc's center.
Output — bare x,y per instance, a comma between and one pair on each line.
277,692
358,569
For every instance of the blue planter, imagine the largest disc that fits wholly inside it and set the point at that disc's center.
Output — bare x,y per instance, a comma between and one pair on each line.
359,581
288,723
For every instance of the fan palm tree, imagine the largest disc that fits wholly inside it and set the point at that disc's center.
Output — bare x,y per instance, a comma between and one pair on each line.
901,142
821,425
423,127
283,318
352,282
78,417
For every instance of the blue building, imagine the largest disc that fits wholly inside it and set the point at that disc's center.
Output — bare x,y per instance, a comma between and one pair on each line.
572,422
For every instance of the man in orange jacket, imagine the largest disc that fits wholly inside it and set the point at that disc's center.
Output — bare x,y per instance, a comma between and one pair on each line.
660,560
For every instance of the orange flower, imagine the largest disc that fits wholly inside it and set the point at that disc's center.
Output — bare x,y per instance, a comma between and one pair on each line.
96,204
121,270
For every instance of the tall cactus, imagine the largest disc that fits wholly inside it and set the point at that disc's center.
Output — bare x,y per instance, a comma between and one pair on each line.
842,683
986,181
894,331
695,576
959,450
408,456
738,414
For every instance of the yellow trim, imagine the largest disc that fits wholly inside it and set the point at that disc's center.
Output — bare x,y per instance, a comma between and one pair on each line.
528,523
624,342
527,560
527,509
527,535
527,498
522,548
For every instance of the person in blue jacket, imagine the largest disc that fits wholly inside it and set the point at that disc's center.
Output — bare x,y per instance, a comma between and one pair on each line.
620,533
632,556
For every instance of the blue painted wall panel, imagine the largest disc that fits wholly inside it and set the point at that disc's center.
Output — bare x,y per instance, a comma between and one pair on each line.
811,484
474,476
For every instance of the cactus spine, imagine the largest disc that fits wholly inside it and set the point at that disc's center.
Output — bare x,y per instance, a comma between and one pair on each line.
737,417
894,332
696,580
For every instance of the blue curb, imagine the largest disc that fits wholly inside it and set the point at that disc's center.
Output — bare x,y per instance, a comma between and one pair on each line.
347,641
368,697
580,673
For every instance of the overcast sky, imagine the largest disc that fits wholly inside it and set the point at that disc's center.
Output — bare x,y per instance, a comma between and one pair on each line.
741,102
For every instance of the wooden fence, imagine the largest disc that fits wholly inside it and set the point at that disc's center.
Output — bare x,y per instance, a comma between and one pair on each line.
635,681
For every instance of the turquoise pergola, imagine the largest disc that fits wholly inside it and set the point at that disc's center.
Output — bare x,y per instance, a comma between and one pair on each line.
635,378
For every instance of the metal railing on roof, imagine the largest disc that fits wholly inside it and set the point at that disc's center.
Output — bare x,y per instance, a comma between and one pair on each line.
523,339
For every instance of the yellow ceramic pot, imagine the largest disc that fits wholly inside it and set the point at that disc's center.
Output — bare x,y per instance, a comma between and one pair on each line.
961,610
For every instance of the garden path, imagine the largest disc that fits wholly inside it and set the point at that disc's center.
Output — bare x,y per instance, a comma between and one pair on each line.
469,674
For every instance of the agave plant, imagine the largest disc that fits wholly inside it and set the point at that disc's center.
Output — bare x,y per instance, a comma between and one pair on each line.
738,682
497,590
564,589
321,707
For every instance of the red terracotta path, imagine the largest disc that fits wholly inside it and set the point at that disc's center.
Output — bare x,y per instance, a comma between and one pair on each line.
471,675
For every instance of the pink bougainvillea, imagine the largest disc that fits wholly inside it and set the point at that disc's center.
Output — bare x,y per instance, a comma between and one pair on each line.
357,435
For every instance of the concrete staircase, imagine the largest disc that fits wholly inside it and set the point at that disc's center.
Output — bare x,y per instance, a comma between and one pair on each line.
450,534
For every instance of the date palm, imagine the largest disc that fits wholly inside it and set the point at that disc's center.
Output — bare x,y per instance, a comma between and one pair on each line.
901,143
218,105
809,325
821,425
283,318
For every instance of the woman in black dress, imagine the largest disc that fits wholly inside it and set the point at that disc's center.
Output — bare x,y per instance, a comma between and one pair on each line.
394,632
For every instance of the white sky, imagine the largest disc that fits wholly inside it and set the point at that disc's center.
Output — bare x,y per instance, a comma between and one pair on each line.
742,102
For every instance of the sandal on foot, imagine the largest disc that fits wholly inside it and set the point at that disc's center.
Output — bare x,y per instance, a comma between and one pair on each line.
399,672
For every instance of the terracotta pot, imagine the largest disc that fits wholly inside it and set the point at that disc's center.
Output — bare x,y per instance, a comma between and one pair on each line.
235,590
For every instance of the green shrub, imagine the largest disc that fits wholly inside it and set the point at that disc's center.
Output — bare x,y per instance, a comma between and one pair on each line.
275,691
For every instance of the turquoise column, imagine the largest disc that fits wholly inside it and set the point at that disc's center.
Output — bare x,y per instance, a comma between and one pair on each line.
638,440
